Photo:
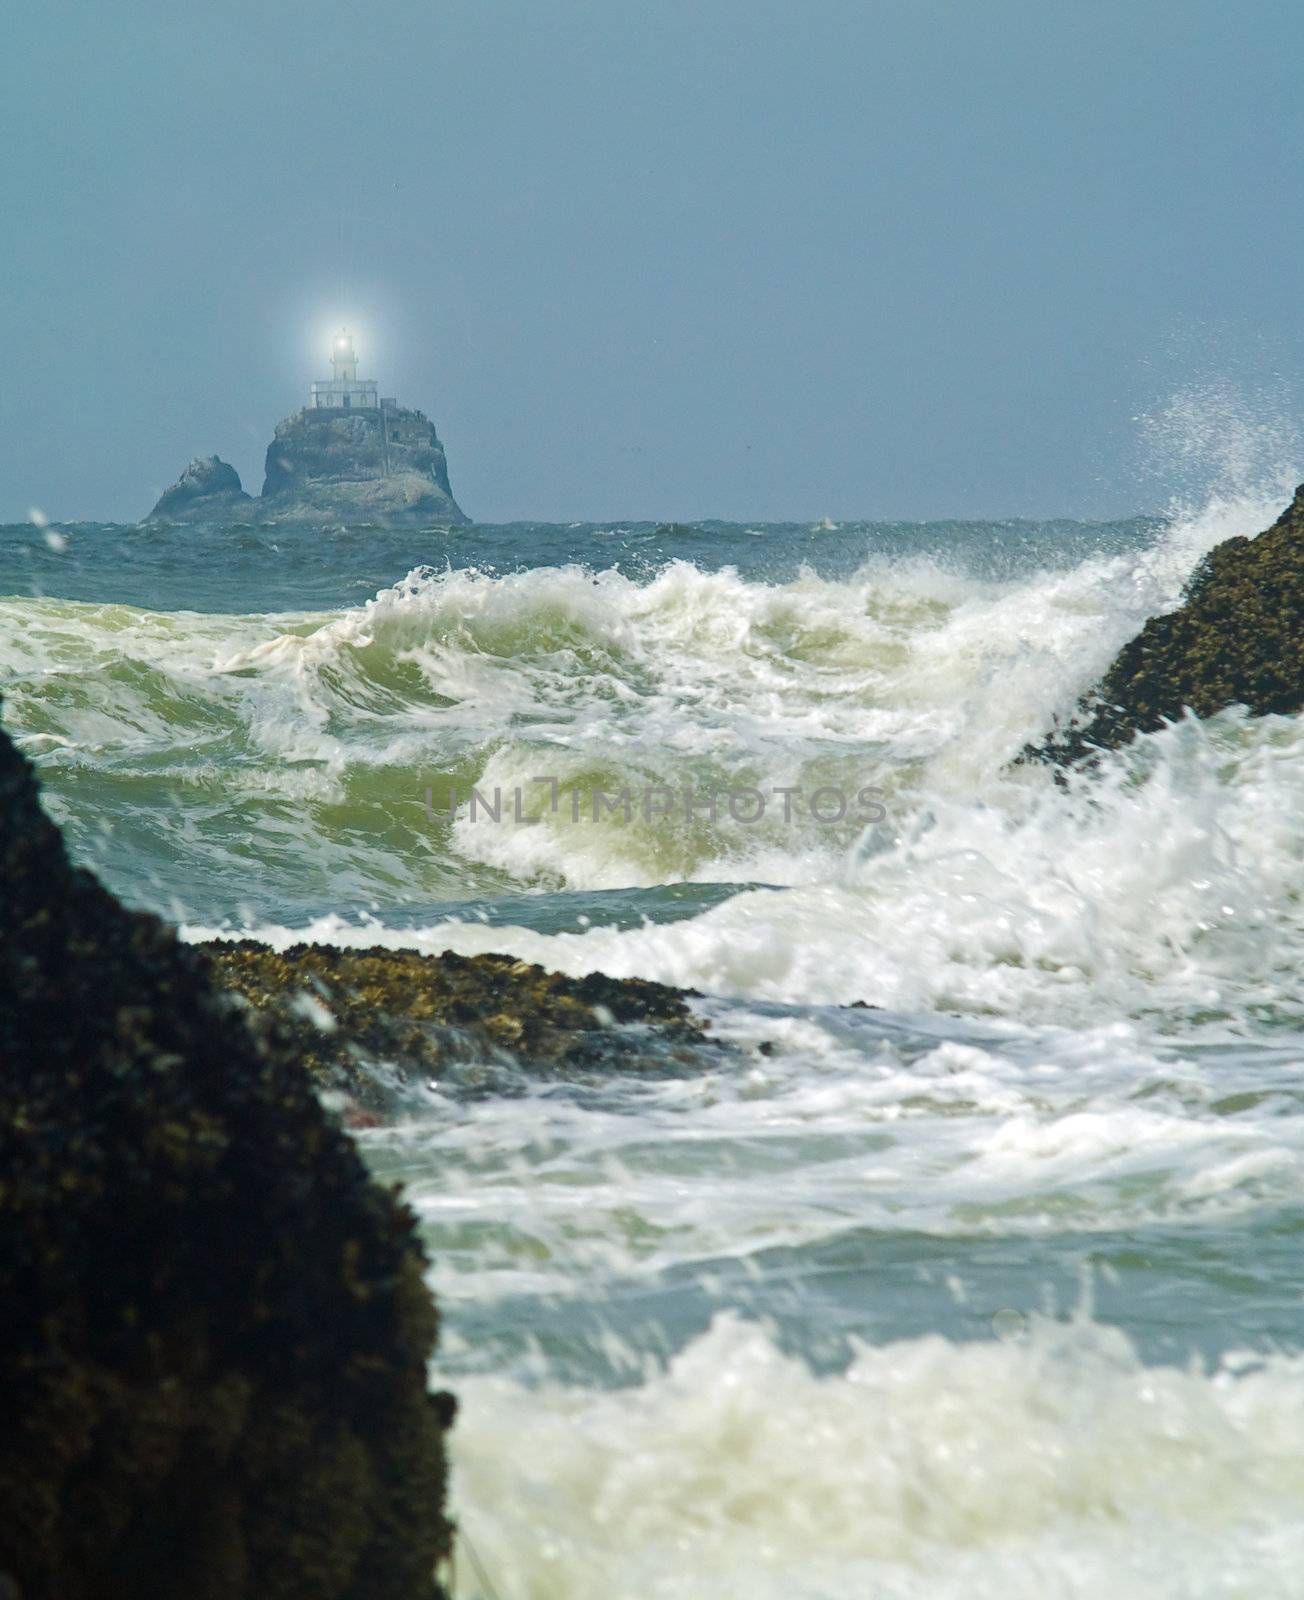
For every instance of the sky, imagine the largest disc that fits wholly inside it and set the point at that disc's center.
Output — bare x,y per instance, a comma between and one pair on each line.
749,259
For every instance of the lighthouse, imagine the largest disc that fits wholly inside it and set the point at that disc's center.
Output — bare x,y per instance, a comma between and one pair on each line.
348,456
344,390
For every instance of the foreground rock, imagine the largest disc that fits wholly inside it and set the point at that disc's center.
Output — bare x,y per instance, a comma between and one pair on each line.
208,490
468,1021
213,1325
1237,639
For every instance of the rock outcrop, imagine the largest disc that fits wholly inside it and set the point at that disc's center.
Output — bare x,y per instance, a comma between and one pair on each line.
383,465
379,465
208,490
1237,639
472,1022
213,1324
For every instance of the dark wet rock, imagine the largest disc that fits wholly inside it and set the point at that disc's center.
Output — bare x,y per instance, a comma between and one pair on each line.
381,465
449,1017
1237,639
213,1324
208,490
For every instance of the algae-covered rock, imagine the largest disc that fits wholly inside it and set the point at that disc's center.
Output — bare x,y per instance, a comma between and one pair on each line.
213,1325
1237,639
434,1016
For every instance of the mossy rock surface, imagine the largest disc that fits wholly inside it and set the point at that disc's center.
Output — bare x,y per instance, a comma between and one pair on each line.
429,1017
214,1328
1237,639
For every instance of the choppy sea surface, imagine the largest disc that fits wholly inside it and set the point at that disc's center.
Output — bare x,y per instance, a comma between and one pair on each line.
989,1286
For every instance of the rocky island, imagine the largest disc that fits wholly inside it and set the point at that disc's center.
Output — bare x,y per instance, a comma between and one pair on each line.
348,456
207,491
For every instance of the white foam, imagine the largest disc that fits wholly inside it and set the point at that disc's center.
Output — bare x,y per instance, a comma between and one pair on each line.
1148,899
907,676
1056,1466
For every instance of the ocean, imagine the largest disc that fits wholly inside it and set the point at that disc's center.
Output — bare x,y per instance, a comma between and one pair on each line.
976,1271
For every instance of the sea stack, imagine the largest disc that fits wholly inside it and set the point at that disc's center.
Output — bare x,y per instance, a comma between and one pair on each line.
348,456
209,490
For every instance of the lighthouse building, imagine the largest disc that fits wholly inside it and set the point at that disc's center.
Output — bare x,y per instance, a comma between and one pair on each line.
344,390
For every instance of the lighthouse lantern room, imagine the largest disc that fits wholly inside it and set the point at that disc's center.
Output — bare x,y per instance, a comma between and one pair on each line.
344,391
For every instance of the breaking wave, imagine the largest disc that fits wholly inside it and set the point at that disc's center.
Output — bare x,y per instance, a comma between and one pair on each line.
734,1333
1055,1463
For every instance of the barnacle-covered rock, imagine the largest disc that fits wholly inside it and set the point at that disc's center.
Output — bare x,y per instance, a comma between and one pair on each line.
1237,639
214,1328
452,1017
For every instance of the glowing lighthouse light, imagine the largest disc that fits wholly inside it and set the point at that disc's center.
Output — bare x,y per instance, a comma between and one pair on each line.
344,391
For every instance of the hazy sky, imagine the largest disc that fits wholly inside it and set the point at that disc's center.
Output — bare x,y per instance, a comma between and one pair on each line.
653,258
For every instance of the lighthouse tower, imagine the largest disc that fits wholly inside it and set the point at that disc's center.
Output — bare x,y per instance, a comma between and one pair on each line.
344,391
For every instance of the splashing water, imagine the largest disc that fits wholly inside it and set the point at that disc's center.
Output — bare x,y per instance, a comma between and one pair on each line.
801,1325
